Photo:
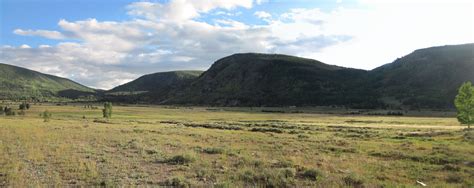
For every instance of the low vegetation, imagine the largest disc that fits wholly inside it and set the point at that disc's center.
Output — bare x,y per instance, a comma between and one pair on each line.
195,147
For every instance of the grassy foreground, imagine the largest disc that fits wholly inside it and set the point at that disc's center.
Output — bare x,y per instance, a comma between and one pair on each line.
203,147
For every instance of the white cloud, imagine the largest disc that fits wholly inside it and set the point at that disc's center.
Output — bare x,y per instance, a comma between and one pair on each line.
42,33
258,2
24,46
262,15
179,10
385,31
44,46
167,36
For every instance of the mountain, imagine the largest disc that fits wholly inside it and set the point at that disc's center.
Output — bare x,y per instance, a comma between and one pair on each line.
152,87
275,80
427,77
21,83
158,81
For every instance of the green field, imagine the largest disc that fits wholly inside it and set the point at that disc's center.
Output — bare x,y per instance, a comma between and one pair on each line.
221,148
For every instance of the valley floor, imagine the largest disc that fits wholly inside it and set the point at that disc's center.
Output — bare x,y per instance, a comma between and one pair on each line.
212,147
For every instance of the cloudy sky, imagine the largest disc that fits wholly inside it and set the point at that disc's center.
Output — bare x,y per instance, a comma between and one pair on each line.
106,43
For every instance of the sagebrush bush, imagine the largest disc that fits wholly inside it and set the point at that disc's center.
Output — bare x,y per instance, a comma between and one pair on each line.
353,180
312,174
177,181
213,150
181,159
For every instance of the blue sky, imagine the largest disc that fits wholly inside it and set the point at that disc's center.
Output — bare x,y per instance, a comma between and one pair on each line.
83,39
45,14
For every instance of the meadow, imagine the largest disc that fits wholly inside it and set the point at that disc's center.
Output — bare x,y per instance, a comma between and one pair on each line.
225,147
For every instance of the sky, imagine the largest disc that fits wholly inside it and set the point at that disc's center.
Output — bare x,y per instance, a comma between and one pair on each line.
106,43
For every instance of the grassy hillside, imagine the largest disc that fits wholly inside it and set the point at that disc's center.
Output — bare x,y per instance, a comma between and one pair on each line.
274,80
427,77
21,83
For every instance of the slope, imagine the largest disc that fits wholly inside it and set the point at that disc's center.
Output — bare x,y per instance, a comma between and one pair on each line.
21,83
275,80
426,78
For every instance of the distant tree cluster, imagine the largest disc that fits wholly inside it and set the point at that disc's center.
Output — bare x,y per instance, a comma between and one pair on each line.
8,111
107,111
24,106
464,103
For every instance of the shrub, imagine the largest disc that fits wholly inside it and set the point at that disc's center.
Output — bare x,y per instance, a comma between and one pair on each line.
1,110
451,167
353,181
178,181
181,159
213,150
101,121
273,130
312,174
212,126
46,115
24,106
22,113
288,172
9,111
454,178
268,178
282,164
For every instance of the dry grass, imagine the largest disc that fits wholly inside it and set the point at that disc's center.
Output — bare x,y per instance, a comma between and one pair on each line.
164,146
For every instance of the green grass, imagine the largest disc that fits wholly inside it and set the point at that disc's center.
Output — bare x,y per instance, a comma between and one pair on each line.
21,83
161,146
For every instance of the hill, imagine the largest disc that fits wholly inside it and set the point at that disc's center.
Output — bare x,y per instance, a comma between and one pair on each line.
152,87
426,78
157,81
21,83
275,80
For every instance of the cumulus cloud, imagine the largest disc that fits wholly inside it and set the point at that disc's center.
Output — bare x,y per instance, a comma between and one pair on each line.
179,10
169,36
384,31
24,46
42,33
258,2
262,15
